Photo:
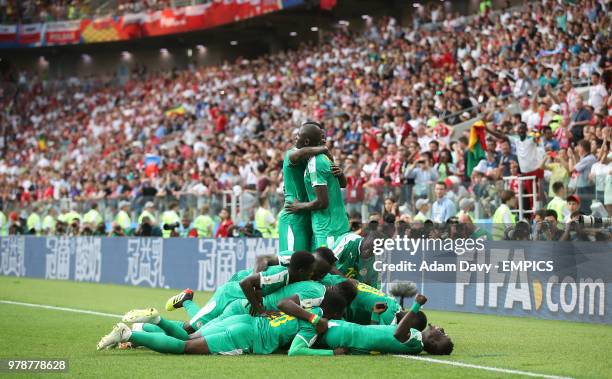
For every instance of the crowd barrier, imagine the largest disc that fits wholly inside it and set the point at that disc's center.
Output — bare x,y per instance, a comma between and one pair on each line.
561,281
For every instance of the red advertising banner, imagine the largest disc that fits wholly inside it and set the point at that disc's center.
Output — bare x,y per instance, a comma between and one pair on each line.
132,26
129,25
100,30
62,33
170,21
8,33
30,34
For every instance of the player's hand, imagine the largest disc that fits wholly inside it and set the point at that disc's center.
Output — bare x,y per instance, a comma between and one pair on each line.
293,207
322,326
341,351
336,170
379,307
421,299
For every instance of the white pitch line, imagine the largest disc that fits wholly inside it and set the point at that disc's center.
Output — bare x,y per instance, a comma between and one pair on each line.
417,358
84,311
487,368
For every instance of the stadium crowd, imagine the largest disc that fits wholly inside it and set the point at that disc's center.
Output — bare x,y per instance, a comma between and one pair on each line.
392,100
31,11
34,11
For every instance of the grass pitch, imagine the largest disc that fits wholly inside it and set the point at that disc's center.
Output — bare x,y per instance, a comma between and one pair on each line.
553,348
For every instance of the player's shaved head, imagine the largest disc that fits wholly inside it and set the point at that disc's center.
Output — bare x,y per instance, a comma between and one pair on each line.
310,134
436,341
333,305
300,266
324,261
347,289
300,260
327,254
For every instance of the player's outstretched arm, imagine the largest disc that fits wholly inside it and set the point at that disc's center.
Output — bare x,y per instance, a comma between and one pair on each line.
321,202
410,320
299,346
248,286
305,153
263,261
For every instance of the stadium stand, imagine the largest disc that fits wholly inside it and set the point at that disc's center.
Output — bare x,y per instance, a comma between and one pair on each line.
398,104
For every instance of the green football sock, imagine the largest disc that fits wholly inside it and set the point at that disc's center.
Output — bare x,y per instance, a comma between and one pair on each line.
158,342
173,328
191,308
152,328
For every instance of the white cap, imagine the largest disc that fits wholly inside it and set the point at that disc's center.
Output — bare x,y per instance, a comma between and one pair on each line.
420,203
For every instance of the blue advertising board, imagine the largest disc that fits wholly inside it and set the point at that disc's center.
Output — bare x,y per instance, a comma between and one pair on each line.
550,280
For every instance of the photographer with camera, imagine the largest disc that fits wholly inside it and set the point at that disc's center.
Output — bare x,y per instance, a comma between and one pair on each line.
146,228
587,228
148,212
548,229
116,231
74,227
171,221
519,232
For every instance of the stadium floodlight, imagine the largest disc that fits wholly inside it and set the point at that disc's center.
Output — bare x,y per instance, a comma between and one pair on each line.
314,29
293,34
233,43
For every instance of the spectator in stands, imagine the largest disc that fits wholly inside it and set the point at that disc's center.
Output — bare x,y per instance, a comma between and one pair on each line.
506,157
225,225
423,174
598,95
580,118
573,207
391,90
466,209
422,207
443,208
580,166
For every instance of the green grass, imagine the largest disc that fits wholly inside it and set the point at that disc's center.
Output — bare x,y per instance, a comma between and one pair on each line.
547,347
